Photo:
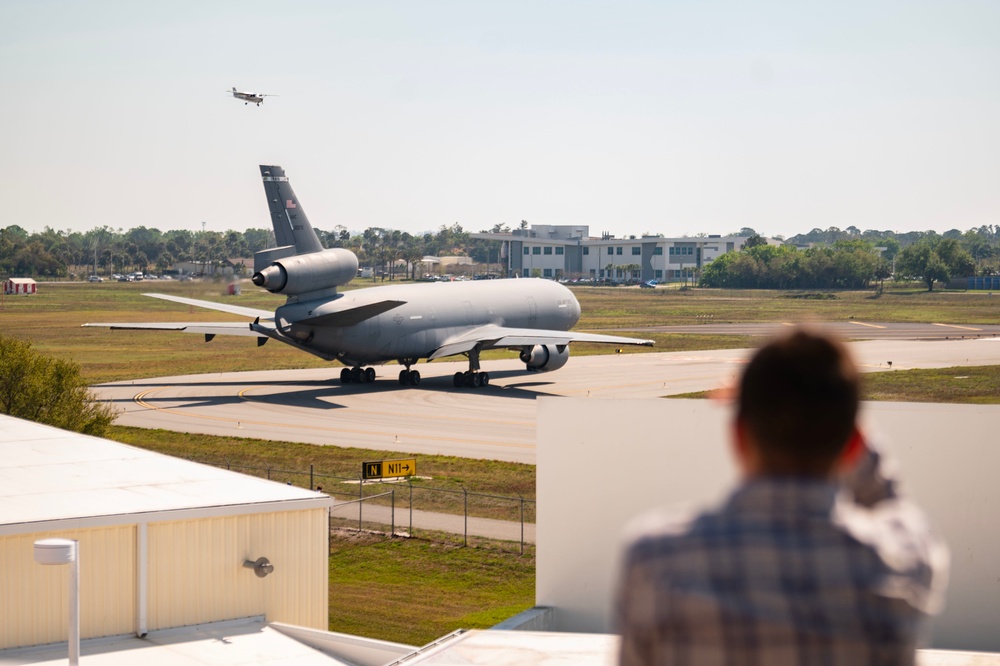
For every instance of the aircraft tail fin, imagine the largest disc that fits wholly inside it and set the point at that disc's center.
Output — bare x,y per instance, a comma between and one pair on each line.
291,226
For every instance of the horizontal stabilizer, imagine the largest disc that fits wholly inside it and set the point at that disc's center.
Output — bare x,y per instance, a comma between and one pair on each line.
265,315
200,327
352,316
494,337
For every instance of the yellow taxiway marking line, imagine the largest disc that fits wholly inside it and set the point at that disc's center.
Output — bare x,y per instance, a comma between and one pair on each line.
964,328
139,399
861,323
788,323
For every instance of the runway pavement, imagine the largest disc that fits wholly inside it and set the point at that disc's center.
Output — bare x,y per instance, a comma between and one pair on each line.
496,422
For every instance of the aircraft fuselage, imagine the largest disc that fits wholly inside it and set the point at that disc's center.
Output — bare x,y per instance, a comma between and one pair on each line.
432,313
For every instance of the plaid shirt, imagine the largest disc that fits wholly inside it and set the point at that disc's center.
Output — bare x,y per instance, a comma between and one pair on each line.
787,571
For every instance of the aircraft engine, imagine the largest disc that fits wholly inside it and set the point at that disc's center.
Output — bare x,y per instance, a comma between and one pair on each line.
303,273
545,358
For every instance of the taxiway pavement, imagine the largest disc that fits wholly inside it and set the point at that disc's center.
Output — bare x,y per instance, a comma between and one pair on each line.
495,422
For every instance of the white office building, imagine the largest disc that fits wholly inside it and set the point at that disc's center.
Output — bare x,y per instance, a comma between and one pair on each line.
569,252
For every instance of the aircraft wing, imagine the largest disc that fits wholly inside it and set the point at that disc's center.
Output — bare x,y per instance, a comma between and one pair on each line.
265,315
491,337
202,327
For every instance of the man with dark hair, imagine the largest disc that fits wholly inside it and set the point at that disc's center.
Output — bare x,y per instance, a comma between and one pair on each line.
813,559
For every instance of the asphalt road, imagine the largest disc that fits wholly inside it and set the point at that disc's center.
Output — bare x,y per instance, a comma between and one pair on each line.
496,422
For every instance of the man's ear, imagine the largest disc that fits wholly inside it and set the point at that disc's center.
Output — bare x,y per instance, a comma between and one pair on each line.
852,451
747,458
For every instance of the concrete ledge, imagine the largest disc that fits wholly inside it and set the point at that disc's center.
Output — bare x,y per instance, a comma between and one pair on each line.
956,658
539,618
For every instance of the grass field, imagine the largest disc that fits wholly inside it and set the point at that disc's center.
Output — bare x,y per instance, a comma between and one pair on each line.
289,462
52,318
977,385
415,590
610,307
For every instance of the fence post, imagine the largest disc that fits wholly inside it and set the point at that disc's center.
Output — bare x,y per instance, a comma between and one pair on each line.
522,524
465,534
227,463
361,496
410,483
311,485
392,524
268,468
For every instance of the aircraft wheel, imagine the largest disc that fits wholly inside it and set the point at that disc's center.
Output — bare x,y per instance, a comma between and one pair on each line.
356,375
485,377
459,379
345,375
369,375
470,379
404,378
414,378
477,379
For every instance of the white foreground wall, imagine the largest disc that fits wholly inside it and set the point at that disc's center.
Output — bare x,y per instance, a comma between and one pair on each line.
602,461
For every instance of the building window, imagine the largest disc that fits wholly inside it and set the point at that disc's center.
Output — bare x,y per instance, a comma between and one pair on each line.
548,250
547,273
673,250
525,272
618,251
611,250
526,249
536,250
658,274
657,251
560,250
636,251
586,251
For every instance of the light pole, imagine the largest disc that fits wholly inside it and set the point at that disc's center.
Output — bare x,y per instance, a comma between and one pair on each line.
66,551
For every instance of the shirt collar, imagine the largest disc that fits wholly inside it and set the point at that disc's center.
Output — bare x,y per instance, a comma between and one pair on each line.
788,494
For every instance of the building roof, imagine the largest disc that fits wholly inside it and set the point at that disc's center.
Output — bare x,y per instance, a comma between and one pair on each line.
49,476
16,280
247,642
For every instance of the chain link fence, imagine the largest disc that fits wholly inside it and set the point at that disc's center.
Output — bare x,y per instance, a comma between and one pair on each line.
411,507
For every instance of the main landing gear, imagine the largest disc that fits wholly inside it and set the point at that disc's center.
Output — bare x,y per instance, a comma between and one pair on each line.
357,375
408,377
472,378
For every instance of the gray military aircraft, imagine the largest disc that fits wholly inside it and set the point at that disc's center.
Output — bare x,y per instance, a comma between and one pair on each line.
402,323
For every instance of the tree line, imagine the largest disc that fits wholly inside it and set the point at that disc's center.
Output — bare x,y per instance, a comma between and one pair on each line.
855,262
837,259
57,254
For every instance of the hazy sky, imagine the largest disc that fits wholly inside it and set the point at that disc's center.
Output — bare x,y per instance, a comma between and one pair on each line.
630,117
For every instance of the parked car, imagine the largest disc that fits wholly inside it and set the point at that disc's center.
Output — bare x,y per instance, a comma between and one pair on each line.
650,284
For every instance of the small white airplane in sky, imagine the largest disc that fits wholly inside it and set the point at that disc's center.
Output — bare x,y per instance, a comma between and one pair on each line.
248,97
